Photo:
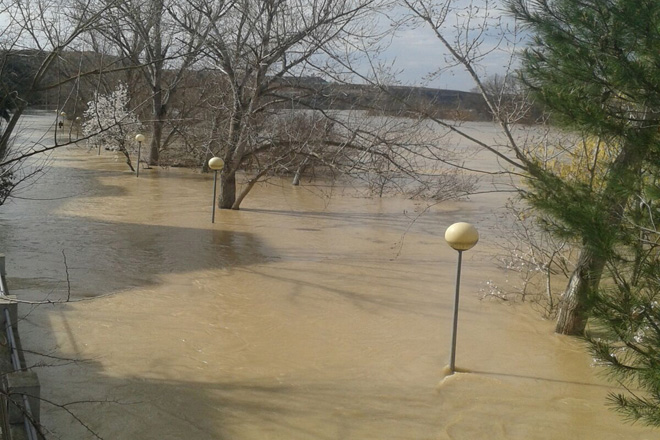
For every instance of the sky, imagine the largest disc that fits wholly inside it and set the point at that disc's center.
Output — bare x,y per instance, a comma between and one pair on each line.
417,52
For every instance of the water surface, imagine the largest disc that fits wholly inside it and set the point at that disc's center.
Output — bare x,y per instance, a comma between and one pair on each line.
309,314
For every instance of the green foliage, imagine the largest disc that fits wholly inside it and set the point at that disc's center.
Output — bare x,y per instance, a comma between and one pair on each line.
575,208
595,64
625,329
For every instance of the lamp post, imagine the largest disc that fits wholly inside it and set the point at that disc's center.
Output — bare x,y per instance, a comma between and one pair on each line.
216,164
139,138
461,237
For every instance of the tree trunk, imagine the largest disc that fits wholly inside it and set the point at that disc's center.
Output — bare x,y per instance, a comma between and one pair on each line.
205,164
128,158
227,190
154,147
244,192
9,130
576,301
156,73
296,177
247,188
299,171
157,128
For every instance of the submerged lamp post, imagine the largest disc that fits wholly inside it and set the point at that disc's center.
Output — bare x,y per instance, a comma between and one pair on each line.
461,237
139,138
63,117
216,164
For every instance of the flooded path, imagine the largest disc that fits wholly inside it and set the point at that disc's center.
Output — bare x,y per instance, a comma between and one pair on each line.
302,316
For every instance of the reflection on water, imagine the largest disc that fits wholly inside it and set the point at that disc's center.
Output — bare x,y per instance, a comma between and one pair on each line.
298,317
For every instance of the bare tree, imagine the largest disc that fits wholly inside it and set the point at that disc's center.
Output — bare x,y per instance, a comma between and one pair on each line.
265,57
254,47
149,38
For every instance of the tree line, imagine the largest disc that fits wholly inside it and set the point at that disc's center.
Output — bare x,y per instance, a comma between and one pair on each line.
216,78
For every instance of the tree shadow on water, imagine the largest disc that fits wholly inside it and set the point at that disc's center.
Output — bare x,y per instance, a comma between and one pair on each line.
50,254
106,257
261,407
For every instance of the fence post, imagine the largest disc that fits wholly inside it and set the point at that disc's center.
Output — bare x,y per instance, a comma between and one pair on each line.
23,391
21,383
7,301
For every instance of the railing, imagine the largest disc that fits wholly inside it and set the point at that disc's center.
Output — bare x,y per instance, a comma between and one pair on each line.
20,387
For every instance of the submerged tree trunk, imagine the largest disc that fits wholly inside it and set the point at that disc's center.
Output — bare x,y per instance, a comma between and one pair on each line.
124,151
247,188
576,301
154,147
299,171
296,177
243,194
227,190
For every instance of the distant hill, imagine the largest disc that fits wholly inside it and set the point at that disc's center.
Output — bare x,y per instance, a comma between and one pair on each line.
312,92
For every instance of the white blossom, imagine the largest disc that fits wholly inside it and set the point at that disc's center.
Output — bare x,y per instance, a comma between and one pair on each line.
109,122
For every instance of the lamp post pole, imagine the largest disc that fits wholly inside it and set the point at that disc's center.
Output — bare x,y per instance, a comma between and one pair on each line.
61,123
461,237
454,329
139,138
216,164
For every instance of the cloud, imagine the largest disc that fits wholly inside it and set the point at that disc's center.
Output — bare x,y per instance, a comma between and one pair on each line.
421,59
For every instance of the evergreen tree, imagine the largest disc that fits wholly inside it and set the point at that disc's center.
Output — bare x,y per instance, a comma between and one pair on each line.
595,64
625,330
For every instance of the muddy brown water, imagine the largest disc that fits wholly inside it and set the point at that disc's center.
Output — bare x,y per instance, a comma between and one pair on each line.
309,314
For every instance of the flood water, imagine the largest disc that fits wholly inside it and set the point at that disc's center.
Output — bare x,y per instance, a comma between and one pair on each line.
309,314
